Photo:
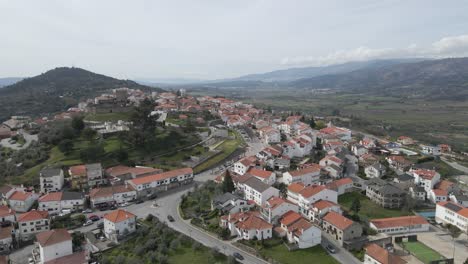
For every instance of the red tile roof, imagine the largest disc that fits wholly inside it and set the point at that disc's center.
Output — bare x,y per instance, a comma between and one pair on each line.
299,226
382,256
275,201
463,210
248,161
52,237
6,211
120,170
426,174
20,196
33,216
290,217
119,215
161,176
399,221
295,187
75,258
439,192
253,222
78,170
338,220
53,196
109,191
445,185
322,204
5,232
310,191
313,168
264,174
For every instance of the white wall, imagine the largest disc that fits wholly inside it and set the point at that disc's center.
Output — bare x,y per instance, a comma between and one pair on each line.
55,251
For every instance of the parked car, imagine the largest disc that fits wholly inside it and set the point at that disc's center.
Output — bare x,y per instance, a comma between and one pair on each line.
113,207
139,201
100,225
331,249
87,211
88,222
31,261
238,256
65,212
124,204
94,218
170,218
151,196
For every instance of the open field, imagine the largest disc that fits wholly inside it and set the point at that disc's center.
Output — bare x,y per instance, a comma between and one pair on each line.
369,209
227,148
422,252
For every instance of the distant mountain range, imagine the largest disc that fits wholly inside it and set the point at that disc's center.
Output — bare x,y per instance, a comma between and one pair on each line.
293,74
57,90
408,78
9,81
433,79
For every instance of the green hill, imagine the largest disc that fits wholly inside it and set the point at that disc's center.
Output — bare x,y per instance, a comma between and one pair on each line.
57,90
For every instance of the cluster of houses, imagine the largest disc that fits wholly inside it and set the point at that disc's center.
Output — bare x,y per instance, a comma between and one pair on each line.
27,215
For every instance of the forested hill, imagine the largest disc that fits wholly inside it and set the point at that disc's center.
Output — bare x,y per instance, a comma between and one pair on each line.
431,79
57,90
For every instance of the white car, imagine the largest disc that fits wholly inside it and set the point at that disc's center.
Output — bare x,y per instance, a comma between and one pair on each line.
88,222
124,204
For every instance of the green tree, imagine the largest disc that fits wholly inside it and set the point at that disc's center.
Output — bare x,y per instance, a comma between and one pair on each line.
356,205
88,134
66,146
312,123
453,231
228,184
78,123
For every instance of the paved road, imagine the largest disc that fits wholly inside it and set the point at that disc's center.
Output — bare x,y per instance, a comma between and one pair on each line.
342,255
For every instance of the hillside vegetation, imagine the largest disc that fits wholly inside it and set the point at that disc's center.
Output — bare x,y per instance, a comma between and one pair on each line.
56,90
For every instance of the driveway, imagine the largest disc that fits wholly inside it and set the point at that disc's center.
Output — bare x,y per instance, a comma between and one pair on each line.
27,137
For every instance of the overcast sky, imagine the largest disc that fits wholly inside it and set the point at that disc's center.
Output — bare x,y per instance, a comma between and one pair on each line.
216,39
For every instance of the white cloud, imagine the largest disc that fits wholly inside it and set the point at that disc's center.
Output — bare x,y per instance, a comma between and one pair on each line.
456,46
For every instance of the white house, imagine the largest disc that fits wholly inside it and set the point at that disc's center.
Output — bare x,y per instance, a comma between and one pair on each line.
51,180
418,192
55,202
299,231
243,165
230,203
119,223
359,150
425,178
375,170
341,186
330,160
402,224
320,208
312,194
431,150
258,191
265,176
275,207
55,246
459,199
7,214
298,147
247,225
22,201
33,222
437,195
452,213
269,135
306,176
